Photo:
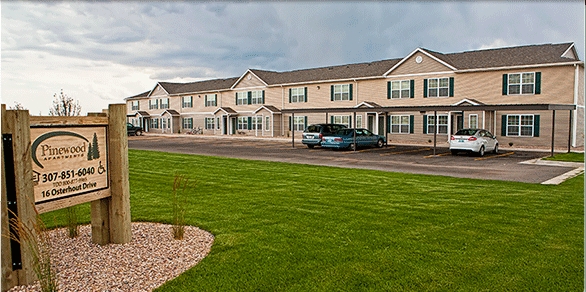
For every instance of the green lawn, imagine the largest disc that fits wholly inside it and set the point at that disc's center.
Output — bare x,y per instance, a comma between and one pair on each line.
289,227
569,157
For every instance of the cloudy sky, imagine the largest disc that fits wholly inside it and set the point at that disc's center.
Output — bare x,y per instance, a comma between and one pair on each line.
101,52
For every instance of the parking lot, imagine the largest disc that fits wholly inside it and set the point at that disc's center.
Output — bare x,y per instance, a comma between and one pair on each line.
506,165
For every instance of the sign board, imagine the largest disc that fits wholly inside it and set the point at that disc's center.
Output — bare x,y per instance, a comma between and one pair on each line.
68,161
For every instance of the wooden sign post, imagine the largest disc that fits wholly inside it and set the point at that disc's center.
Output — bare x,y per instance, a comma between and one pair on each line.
50,163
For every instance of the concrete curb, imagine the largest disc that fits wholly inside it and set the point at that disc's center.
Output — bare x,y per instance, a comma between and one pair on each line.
578,169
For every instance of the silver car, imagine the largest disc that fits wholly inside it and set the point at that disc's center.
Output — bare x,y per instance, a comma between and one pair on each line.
473,140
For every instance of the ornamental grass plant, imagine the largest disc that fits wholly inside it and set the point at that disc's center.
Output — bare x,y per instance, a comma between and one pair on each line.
181,184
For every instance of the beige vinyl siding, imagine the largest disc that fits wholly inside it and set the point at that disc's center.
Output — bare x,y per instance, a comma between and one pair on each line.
249,83
427,65
545,124
158,91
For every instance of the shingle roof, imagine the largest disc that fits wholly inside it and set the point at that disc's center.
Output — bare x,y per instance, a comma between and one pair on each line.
144,94
207,85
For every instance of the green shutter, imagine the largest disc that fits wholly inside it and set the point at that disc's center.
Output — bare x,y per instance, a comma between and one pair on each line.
411,123
424,124
249,123
388,124
305,94
505,84
537,82
451,86
290,95
350,93
504,125
332,93
291,123
350,122
236,100
263,97
216,99
305,122
412,89
389,90
425,89
205,100
250,97
536,126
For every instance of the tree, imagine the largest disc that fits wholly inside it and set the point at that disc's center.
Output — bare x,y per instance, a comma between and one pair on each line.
17,106
64,105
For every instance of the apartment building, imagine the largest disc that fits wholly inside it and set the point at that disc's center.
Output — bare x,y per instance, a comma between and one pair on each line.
527,95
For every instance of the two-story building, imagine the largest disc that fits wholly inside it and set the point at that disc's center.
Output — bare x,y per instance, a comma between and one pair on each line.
522,94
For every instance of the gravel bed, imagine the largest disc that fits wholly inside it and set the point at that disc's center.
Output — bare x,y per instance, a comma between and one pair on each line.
152,258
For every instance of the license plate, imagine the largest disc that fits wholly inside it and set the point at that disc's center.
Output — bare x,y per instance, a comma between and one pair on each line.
309,136
461,141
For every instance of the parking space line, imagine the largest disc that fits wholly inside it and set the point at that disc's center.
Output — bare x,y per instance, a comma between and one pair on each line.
495,156
408,151
441,154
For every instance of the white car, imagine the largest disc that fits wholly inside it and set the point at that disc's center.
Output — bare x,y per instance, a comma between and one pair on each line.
473,140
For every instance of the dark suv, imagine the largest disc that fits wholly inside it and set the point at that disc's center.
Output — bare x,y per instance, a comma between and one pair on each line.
314,133
133,130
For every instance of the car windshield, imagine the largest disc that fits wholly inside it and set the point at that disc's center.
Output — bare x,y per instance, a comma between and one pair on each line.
467,132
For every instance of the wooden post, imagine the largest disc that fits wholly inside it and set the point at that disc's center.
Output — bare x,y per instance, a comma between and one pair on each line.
552,133
8,281
119,207
15,127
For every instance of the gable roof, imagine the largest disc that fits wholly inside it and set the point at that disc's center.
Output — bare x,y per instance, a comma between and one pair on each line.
140,95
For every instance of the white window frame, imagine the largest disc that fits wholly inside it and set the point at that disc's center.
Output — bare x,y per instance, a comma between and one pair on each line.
242,98
297,94
440,127
210,123
342,120
472,117
135,105
154,123
164,103
522,83
187,123
210,100
358,121
341,92
242,123
398,86
398,121
438,87
520,126
256,97
186,101
299,123
153,104
267,123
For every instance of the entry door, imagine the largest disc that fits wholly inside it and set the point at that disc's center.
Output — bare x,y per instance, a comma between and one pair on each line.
459,122
370,124
234,125
224,125
381,125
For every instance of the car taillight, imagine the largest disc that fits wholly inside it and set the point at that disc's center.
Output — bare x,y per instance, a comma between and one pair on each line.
472,139
452,138
321,136
338,139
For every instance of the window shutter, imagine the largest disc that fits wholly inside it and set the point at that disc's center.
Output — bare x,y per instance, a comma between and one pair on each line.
388,124
412,89
331,119
537,82
451,86
263,97
350,93
389,90
350,122
305,122
305,94
291,123
536,126
290,95
250,97
236,100
249,123
424,124
216,99
332,93
205,100
411,123
504,124
425,89
505,84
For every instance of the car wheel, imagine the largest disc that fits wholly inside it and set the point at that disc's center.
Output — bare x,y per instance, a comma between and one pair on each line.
454,152
380,143
310,146
481,151
496,149
138,133
352,146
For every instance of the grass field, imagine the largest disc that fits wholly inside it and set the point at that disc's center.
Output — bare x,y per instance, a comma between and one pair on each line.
289,227
568,157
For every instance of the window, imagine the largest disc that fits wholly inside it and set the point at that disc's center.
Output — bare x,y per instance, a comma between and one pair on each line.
154,123
298,94
522,125
242,123
341,92
135,106
257,123
164,103
210,100
400,124
343,120
241,98
187,101
299,123
209,123
438,87
473,121
267,123
522,83
257,97
187,123
165,123
359,121
153,104
400,89
442,124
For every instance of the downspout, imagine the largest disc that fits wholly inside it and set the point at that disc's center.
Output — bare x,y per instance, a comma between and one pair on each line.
575,120
282,107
